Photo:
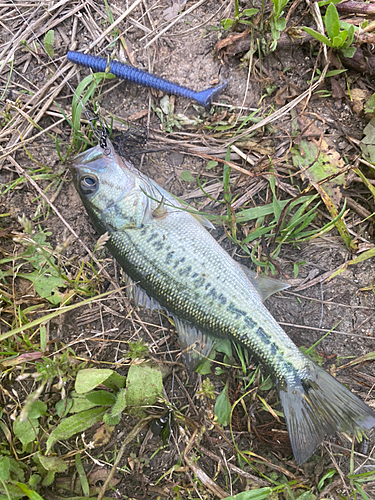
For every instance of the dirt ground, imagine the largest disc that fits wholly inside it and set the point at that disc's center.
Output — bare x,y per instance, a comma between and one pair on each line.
186,54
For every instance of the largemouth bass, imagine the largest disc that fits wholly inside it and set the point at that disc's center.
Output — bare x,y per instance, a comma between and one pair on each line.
174,263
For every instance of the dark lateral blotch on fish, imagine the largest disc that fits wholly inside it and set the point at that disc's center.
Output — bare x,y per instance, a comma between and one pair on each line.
127,72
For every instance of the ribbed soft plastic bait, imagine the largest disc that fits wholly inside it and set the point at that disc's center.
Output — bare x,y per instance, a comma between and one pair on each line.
135,75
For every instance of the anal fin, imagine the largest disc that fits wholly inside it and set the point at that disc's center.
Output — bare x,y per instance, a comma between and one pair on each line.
195,345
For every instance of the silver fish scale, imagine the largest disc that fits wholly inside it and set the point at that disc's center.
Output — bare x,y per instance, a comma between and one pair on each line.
203,285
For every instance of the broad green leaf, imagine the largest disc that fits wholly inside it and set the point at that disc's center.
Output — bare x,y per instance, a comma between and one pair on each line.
278,7
27,428
34,480
17,470
226,23
370,105
318,36
280,24
4,468
63,406
33,495
368,142
115,381
347,26
103,398
211,164
223,407
48,42
144,385
332,22
75,424
90,378
120,403
112,420
350,35
224,346
26,431
349,52
323,160
49,478
187,176
250,12
338,41
79,403
258,494
266,385
205,367
53,463
12,493
47,283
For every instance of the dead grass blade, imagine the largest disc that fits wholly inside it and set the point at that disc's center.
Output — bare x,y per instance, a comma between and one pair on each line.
200,474
129,438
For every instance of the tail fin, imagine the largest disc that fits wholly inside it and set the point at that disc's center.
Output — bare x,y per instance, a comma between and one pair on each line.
318,405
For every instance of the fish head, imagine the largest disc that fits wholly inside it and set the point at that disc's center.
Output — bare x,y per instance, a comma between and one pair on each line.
101,177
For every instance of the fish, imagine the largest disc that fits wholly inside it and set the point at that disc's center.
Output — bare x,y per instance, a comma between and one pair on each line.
135,75
173,263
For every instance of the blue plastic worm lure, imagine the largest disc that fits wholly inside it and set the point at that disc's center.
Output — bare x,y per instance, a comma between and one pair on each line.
135,75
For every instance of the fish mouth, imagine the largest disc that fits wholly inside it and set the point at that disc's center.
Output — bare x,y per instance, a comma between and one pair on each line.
89,156
93,160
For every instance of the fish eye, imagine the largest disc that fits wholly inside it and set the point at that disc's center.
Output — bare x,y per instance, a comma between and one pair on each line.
88,184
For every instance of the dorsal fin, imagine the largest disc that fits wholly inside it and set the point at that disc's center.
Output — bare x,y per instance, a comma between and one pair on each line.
264,285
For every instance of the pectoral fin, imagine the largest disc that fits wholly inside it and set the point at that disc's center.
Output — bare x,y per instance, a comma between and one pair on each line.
141,299
202,220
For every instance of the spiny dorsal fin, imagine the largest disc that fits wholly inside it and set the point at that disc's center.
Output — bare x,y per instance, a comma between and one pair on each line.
264,285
